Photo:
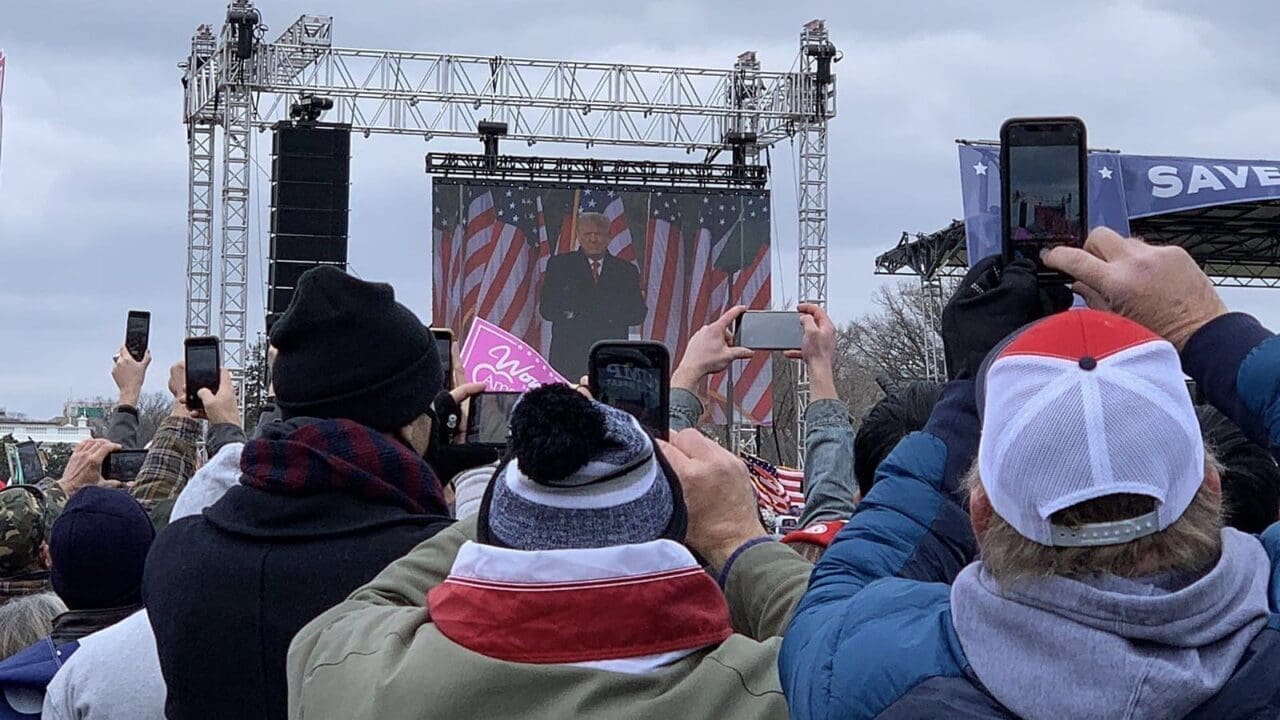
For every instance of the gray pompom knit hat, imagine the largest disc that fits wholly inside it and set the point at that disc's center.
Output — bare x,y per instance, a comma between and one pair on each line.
579,475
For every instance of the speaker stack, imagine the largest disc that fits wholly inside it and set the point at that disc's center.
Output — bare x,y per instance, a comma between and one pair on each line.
310,200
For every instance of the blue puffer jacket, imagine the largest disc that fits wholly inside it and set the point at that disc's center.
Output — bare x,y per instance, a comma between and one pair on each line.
874,637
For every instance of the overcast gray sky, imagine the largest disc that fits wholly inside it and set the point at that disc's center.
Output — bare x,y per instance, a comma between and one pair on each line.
93,171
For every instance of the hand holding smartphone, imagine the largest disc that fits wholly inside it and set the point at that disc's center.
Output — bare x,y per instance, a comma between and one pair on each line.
123,465
1044,189
769,330
137,334
633,376
204,367
444,348
489,419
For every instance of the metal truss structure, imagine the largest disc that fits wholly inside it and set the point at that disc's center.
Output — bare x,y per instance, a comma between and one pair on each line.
639,173
239,82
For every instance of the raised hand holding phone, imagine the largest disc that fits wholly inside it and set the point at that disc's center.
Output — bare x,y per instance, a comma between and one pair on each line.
203,364
1044,189
221,406
137,334
489,418
633,376
769,330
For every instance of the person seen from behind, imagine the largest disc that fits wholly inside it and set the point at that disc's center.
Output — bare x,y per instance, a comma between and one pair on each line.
573,593
1107,585
327,497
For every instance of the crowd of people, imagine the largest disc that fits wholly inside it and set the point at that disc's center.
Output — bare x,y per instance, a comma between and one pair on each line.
1058,531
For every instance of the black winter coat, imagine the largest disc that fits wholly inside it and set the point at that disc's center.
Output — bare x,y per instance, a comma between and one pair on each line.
582,311
226,591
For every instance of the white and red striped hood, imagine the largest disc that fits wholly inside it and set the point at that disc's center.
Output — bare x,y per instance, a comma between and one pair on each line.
628,608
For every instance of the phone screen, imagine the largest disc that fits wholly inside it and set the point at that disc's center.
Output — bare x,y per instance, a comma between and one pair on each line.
770,330
202,370
444,348
490,419
1045,192
123,465
633,377
32,467
136,334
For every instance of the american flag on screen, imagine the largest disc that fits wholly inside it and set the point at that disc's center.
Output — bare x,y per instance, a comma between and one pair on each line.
664,277
753,379
778,489
446,235
708,288
744,278
508,296
472,254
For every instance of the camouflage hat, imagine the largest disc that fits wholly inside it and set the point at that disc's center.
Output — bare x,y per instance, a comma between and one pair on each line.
23,528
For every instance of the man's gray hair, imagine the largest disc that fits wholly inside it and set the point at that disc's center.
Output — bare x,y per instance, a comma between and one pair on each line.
599,220
1192,544
25,620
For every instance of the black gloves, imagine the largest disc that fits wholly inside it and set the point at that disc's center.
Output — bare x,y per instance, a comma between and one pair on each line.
992,301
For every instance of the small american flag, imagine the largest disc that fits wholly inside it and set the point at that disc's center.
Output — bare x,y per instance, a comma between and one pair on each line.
778,489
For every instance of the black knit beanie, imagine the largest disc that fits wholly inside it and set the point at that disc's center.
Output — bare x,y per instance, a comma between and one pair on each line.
99,546
348,350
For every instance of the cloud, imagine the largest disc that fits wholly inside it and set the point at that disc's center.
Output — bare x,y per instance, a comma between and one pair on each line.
93,180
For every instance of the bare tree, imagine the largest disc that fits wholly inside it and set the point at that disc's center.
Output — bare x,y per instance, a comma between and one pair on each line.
891,340
895,337
153,408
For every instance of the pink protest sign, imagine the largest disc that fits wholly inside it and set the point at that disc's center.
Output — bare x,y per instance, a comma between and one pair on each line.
502,361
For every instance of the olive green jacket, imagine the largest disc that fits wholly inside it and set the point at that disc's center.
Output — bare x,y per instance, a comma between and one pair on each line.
377,656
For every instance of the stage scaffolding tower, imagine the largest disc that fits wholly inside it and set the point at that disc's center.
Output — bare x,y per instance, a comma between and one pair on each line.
241,82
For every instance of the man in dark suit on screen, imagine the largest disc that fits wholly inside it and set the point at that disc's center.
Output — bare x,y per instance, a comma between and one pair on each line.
588,295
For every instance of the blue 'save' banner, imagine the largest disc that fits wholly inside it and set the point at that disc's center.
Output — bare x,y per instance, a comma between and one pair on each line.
1121,187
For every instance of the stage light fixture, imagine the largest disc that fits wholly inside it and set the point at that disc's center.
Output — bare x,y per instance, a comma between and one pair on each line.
490,131
309,108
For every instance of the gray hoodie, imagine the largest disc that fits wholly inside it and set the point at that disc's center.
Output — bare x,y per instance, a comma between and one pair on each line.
1108,647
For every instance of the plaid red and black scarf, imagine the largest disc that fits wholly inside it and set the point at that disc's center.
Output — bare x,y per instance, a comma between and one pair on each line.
342,455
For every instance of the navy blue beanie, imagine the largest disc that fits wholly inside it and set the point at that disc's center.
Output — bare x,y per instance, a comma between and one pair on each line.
98,547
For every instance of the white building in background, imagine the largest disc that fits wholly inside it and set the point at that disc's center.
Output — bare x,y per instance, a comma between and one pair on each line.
46,432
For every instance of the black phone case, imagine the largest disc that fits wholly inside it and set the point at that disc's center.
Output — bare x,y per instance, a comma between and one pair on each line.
474,418
593,377
129,340
1043,275
193,399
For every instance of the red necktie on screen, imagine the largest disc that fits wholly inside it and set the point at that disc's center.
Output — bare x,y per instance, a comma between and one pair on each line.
595,270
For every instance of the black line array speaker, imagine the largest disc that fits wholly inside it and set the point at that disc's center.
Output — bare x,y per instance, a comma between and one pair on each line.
310,203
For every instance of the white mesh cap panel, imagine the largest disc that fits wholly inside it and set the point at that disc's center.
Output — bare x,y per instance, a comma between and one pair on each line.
1056,434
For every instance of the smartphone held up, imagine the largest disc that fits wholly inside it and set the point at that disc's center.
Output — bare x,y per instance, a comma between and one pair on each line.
204,368
489,419
769,330
1044,188
635,377
123,465
137,334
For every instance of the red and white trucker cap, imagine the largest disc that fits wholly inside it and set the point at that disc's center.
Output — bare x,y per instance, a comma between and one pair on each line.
1081,405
